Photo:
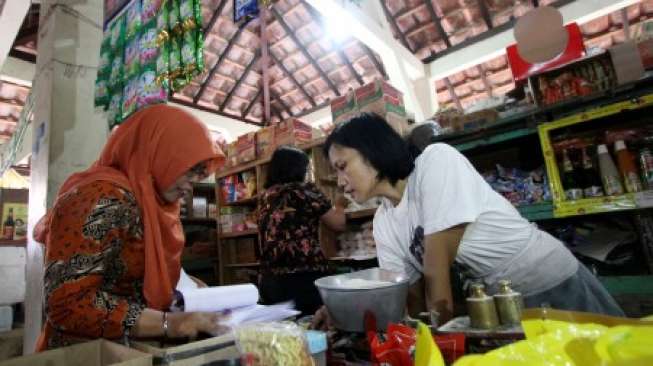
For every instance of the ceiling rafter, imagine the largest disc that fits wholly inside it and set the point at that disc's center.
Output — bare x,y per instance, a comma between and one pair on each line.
438,23
212,110
213,70
391,20
214,17
278,99
405,11
485,13
252,103
243,76
310,58
292,78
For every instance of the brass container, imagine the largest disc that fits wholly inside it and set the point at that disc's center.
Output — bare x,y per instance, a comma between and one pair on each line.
509,304
482,312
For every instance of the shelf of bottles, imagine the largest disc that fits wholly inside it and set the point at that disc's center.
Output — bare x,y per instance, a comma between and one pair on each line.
601,160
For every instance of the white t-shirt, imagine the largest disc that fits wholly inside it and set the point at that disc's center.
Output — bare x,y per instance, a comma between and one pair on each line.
445,190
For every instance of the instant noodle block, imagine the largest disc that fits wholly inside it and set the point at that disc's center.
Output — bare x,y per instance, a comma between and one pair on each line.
292,132
273,344
246,147
265,144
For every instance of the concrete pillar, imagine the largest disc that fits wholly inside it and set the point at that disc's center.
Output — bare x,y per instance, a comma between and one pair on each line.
68,133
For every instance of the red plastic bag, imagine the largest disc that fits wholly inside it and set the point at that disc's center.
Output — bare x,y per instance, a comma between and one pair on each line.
397,349
452,346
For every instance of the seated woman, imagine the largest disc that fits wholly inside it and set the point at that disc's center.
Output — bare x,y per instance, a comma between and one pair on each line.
113,238
290,213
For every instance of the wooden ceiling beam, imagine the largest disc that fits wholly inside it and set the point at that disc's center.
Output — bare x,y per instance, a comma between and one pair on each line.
223,55
405,11
379,66
308,56
240,81
418,28
438,23
393,23
485,13
212,110
292,78
214,17
252,103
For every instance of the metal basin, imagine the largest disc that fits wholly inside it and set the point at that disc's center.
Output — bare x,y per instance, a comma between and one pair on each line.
347,306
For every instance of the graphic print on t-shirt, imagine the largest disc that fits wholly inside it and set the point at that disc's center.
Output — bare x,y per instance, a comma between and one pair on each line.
417,244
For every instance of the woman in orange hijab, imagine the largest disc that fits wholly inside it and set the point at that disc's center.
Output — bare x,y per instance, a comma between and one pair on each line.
114,239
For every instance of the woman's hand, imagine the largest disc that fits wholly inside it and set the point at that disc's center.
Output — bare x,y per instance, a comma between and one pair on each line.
189,325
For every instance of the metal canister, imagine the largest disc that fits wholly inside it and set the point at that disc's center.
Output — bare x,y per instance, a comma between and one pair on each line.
482,312
509,304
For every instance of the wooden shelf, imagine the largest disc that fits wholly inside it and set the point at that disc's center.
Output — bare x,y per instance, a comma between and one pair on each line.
204,186
253,164
242,265
198,220
361,214
13,243
238,234
243,202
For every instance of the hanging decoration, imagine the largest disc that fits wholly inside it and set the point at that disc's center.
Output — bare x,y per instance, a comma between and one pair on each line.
150,49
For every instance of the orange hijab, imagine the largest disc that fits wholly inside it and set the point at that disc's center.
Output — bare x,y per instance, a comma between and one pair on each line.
146,155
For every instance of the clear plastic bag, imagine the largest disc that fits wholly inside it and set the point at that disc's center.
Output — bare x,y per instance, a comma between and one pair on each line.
273,344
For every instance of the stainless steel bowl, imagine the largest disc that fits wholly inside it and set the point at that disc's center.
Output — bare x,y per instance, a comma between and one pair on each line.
348,306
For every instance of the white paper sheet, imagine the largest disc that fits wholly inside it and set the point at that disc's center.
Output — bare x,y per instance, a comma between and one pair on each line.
219,298
185,282
260,313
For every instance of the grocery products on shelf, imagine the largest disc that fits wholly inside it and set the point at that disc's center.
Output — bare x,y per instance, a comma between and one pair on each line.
237,187
521,188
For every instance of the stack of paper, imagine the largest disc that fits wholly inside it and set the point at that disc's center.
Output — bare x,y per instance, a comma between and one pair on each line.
260,313
219,298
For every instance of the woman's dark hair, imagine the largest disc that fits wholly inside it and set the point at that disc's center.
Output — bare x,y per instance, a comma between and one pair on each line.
384,149
288,164
421,137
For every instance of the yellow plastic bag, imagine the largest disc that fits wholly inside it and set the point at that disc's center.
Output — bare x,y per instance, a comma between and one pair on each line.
426,352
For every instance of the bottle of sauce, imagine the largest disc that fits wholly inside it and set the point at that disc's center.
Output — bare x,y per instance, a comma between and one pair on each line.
570,179
592,186
609,174
8,226
627,167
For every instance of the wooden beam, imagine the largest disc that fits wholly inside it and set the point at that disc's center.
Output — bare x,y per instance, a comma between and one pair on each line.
214,17
405,11
240,81
453,94
485,13
285,106
212,110
379,66
292,78
308,56
223,55
265,62
419,27
438,24
395,27
252,103
22,55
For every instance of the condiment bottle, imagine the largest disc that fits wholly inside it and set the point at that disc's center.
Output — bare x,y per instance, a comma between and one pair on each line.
609,173
509,304
482,312
626,162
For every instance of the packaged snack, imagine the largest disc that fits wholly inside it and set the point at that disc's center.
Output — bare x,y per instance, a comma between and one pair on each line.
174,20
116,76
114,112
273,344
149,10
175,69
133,21
163,66
117,31
148,45
149,91
162,18
189,14
101,93
132,58
130,97
192,52
106,54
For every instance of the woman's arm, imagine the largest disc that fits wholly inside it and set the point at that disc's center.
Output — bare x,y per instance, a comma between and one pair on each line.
439,253
180,325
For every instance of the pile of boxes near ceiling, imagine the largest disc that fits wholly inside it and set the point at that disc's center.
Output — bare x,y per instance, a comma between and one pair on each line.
376,97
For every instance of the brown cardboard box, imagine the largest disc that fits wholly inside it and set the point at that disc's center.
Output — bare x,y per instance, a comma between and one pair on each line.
94,353
343,108
377,91
292,132
203,352
265,144
246,147
232,154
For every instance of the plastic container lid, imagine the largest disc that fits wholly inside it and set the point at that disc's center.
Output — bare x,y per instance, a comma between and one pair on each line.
317,341
602,149
619,145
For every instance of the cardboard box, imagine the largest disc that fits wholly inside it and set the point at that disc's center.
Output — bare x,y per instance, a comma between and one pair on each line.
379,95
94,353
11,344
292,132
343,108
204,352
232,154
265,144
246,147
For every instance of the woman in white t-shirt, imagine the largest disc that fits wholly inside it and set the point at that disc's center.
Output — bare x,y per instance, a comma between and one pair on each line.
437,209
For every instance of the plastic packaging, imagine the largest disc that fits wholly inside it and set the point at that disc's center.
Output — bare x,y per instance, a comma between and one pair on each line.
133,19
148,44
627,167
273,344
114,115
149,10
116,77
189,14
174,18
426,352
317,346
149,90
130,97
117,33
132,58
609,174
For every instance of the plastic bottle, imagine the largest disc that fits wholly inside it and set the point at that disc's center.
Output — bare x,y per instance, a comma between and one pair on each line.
609,174
627,167
570,180
592,186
